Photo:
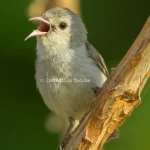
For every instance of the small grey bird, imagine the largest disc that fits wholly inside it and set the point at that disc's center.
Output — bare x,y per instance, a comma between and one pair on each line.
68,67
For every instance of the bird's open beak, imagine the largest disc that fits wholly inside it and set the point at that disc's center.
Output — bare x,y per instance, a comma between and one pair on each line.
43,28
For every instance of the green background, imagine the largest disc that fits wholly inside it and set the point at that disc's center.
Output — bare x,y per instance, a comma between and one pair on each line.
112,26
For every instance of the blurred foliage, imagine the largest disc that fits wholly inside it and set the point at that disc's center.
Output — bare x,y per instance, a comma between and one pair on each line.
112,26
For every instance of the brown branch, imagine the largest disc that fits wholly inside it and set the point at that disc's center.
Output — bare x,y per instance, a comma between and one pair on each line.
38,7
74,5
119,96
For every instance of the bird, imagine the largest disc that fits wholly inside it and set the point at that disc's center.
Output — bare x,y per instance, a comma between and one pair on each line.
69,70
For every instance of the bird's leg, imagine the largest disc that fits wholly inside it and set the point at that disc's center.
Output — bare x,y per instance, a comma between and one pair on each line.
71,125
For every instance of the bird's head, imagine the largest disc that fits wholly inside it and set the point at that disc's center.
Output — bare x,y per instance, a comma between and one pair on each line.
60,27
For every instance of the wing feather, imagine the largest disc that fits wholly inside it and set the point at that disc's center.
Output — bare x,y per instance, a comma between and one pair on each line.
96,56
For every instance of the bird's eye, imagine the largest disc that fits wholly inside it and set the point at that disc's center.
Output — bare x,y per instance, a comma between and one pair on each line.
63,25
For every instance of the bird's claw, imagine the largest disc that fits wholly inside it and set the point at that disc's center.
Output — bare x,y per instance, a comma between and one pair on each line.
96,89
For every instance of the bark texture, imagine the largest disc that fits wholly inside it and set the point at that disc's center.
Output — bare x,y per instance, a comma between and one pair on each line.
117,99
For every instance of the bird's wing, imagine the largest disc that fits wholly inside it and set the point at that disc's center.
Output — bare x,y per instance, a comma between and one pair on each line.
95,55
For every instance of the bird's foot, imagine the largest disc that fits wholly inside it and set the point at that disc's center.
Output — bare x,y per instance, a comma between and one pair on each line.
114,135
96,89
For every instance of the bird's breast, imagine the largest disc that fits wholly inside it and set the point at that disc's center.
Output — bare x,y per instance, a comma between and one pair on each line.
65,83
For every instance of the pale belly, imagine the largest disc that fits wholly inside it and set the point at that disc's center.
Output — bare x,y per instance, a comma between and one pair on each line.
70,99
68,96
